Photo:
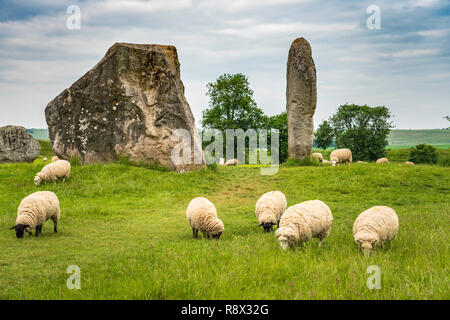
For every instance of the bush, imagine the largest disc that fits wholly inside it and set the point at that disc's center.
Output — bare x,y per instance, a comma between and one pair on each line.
423,153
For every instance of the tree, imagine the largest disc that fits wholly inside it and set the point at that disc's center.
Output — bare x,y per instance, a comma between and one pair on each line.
279,122
231,105
362,129
324,135
423,153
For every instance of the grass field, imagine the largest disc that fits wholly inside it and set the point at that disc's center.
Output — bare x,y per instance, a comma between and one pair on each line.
125,227
436,137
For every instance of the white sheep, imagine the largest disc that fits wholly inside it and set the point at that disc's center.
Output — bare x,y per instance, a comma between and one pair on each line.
269,208
34,210
374,227
231,162
326,161
59,169
410,163
318,156
202,215
341,156
304,221
55,158
45,159
382,160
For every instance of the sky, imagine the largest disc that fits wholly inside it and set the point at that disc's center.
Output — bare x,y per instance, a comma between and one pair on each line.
404,64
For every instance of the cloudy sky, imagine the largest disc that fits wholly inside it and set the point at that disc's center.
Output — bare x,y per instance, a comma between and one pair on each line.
405,65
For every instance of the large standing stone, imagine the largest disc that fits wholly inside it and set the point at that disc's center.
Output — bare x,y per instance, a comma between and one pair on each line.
17,145
301,99
129,105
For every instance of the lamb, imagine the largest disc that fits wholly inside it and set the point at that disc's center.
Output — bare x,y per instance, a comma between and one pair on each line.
59,169
34,210
269,208
231,162
341,156
55,158
201,215
318,156
304,221
374,227
382,160
410,163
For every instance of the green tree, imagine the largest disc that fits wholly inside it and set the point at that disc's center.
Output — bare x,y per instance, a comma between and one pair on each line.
231,105
324,135
423,153
279,122
362,129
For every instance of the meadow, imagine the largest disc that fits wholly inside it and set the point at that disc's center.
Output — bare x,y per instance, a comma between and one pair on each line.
125,227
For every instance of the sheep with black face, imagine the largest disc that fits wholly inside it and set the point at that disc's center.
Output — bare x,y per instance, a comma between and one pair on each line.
269,208
34,210
202,216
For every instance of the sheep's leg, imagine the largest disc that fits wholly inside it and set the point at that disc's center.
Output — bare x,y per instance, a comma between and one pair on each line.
38,230
278,223
55,226
194,234
207,235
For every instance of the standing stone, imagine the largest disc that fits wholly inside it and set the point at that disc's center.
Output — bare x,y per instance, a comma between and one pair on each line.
301,99
128,105
17,145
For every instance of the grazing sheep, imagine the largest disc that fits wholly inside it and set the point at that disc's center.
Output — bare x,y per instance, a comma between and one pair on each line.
55,158
34,210
410,163
306,220
382,160
45,159
326,161
269,209
59,169
341,156
231,162
201,215
374,227
318,156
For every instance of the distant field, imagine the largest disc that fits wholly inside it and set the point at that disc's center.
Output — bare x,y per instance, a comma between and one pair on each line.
126,229
39,134
414,137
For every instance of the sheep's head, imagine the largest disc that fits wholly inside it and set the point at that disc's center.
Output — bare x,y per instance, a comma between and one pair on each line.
267,226
285,236
20,229
367,241
217,236
37,180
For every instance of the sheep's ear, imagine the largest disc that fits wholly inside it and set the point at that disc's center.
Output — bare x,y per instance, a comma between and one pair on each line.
13,227
261,224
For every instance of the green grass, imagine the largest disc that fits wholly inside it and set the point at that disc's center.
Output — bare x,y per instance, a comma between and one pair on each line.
125,227
415,136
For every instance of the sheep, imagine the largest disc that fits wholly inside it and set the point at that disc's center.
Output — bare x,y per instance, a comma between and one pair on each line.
318,156
59,169
326,161
269,208
55,158
374,227
359,161
304,221
201,215
231,162
382,160
341,156
410,163
34,210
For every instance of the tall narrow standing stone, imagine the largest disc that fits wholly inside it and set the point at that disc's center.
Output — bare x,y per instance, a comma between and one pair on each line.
301,99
